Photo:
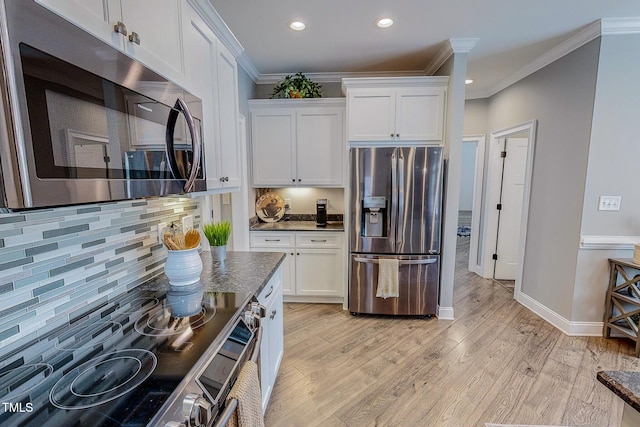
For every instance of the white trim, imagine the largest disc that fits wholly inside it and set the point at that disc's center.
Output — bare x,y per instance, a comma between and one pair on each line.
210,15
247,65
476,213
573,329
490,228
336,77
297,103
445,313
620,26
389,82
608,242
461,45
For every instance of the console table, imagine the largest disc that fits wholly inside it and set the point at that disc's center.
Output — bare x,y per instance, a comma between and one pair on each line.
622,311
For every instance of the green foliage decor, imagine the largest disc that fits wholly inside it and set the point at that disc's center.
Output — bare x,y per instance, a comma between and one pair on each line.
297,86
217,233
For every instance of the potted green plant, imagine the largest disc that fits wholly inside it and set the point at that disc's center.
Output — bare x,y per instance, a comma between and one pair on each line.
217,233
296,86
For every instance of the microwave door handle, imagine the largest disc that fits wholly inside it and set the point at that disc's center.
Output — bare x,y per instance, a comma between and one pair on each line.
197,146
181,107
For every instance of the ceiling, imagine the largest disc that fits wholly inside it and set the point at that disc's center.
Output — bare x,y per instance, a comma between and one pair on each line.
341,38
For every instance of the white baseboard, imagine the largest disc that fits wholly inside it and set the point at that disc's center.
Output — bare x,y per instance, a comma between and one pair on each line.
574,329
445,313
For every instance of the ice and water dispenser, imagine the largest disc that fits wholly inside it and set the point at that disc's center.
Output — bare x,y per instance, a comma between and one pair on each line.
374,212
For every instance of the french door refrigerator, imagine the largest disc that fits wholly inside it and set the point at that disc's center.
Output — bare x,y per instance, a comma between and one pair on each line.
396,210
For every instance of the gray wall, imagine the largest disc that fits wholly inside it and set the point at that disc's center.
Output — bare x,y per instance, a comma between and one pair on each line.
467,176
612,170
476,117
561,97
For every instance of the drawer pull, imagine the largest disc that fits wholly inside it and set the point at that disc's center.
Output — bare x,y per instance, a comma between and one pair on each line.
319,240
271,240
273,314
270,292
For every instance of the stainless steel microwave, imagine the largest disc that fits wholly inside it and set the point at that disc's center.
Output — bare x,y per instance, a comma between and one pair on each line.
82,122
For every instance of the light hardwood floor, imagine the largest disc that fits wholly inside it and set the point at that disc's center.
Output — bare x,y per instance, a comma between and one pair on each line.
497,362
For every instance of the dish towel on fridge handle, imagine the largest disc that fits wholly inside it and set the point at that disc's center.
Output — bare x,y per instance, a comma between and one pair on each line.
246,390
388,278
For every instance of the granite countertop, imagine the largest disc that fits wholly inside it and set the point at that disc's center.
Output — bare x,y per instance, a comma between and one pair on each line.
244,273
625,384
296,226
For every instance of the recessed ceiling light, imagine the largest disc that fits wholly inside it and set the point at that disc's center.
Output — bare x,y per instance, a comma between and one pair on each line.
384,22
297,26
468,81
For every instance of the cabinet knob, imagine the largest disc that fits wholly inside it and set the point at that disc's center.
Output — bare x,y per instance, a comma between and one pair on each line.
391,135
293,180
273,314
120,28
299,180
397,135
134,38
297,253
291,253
226,178
222,179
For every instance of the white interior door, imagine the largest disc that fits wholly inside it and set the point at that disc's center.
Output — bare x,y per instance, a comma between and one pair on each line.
509,222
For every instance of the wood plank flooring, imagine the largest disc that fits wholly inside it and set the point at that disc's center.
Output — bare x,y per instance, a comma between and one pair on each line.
497,362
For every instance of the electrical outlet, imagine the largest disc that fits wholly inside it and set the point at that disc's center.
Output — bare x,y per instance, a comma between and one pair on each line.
187,223
226,198
161,227
287,204
609,203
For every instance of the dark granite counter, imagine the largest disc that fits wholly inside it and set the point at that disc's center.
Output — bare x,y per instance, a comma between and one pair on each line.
244,273
625,384
296,226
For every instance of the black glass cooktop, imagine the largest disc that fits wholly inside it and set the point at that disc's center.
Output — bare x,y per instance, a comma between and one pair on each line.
117,365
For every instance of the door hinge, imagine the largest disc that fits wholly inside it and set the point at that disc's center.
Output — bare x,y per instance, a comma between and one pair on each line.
503,154
495,257
499,206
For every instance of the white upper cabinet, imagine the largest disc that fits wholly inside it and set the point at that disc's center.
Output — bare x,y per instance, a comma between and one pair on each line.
211,74
149,30
297,142
395,109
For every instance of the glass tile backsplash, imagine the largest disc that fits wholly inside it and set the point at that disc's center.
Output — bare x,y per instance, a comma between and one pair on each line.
60,264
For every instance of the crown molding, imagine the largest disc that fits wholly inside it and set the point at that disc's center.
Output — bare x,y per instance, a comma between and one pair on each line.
620,26
247,65
336,77
384,82
218,26
451,46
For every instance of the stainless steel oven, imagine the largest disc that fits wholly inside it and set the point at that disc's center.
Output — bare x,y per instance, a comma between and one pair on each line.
85,123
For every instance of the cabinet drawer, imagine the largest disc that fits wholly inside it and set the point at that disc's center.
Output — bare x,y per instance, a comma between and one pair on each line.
271,240
271,289
317,240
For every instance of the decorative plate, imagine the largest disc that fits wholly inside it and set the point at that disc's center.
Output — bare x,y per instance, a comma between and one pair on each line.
270,207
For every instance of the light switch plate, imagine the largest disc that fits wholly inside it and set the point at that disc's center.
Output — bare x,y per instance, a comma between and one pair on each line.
226,198
187,223
609,203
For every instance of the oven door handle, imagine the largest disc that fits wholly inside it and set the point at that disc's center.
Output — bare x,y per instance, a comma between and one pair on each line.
232,403
181,107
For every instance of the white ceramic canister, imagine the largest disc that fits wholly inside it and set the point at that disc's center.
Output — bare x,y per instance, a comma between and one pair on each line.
183,267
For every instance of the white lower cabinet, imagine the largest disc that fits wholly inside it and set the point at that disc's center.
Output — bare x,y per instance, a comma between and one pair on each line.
272,345
314,268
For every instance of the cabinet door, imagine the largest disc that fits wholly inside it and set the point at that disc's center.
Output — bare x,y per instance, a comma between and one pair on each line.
227,90
320,147
419,114
274,328
371,115
200,58
97,17
318,272
287,266
157,24
273,148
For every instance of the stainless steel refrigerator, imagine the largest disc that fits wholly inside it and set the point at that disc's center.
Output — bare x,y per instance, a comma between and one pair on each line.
396,211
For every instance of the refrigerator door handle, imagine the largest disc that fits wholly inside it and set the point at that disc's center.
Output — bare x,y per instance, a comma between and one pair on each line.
400,207
394,197
401,262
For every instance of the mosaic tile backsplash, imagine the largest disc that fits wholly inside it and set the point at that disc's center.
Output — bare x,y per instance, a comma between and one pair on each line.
59,264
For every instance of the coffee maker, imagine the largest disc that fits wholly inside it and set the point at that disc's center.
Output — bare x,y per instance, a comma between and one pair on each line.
321,212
